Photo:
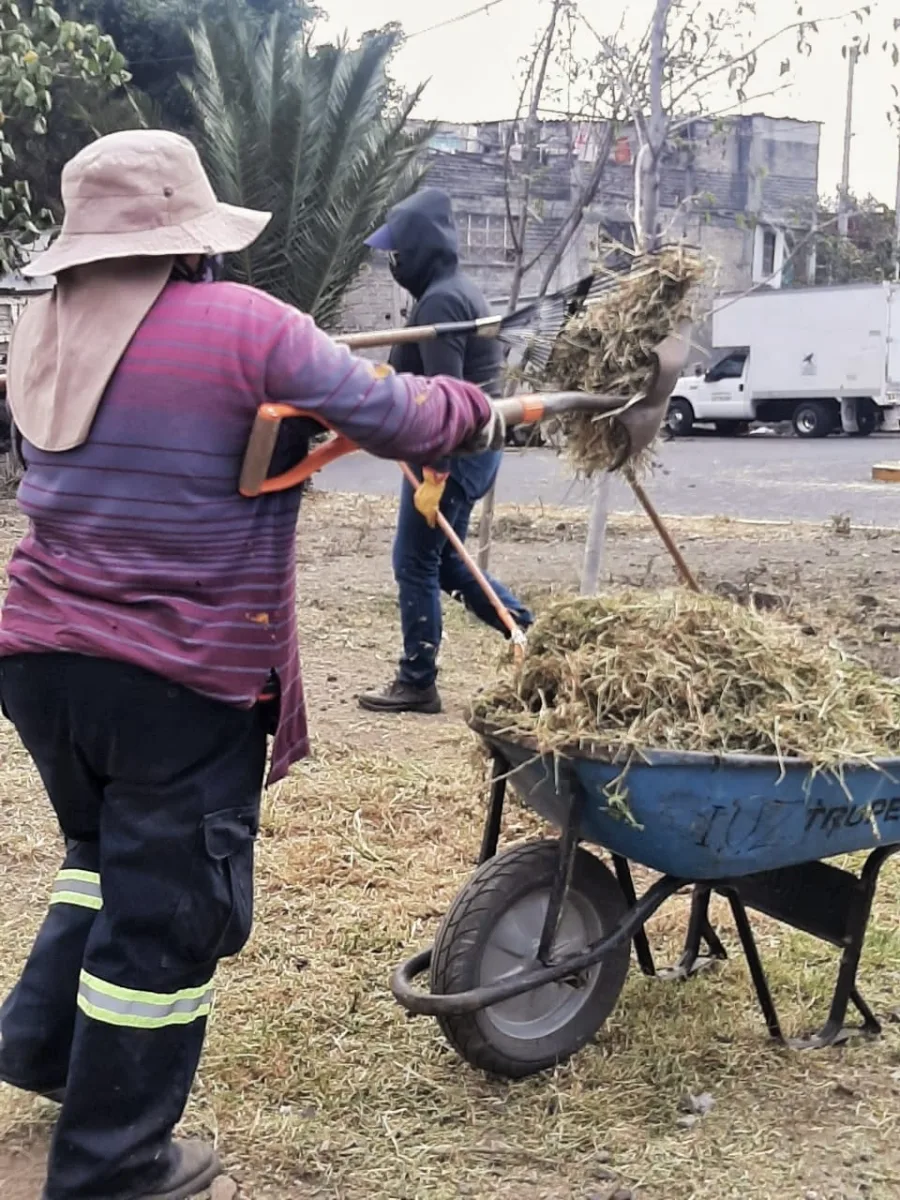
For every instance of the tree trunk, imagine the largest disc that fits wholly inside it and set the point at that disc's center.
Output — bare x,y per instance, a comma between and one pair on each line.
844,198
530,157
595,544
648,218
583,199
530,160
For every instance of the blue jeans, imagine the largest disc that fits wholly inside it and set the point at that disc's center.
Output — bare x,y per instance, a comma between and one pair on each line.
425,564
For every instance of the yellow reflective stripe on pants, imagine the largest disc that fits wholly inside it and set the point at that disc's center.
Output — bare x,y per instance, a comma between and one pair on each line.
134,1009
81,888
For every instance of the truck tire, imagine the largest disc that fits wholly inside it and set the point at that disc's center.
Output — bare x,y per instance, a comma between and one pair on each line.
680,417
813,419
867,416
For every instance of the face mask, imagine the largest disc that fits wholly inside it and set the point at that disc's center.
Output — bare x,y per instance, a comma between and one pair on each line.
395,265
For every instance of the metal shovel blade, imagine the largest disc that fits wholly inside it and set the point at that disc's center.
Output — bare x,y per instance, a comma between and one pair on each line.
641,417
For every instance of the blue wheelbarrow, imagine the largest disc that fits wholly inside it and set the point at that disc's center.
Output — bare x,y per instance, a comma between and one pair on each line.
533,954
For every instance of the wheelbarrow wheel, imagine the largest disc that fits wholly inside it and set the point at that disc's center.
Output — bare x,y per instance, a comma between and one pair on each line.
493,931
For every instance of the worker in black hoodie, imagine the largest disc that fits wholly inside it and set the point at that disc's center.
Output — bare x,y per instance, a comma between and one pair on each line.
421,241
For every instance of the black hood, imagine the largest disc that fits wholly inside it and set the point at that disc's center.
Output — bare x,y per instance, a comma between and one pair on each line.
423,236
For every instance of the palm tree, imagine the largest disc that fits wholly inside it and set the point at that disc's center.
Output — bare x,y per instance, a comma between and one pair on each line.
312,136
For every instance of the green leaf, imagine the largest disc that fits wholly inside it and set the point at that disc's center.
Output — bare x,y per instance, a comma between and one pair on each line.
309,135
25,93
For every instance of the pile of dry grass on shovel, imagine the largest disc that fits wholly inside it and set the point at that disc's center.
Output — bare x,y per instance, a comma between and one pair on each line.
608,347
680,671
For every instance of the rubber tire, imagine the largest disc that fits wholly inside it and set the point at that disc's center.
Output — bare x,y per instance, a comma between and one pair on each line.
823,419
461,939
866,419
684,424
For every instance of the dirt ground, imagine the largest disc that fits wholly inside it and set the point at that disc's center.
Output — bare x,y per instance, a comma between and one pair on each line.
314,1083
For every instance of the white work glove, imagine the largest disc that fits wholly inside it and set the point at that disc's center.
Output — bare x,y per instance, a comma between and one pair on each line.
491,436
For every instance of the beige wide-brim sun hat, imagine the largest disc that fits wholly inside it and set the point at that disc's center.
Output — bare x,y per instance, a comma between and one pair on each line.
142,194
134,202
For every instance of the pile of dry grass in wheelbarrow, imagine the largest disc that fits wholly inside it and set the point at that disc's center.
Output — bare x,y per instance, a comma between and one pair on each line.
675,670
608,347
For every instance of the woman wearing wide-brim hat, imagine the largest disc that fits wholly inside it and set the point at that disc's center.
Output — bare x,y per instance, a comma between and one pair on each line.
148,642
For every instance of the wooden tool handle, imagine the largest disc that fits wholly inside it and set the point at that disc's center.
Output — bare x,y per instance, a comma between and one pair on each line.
668,541
388,337
479,327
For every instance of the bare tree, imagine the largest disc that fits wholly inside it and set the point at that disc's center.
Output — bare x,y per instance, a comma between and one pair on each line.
659,83
521,185
666,85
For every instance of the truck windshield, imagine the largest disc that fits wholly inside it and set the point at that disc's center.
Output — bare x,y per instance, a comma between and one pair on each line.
731,367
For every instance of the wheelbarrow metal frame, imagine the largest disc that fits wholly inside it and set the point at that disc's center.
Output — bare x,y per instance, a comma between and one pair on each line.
831,904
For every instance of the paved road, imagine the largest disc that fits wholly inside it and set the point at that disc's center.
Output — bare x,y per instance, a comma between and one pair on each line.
760,478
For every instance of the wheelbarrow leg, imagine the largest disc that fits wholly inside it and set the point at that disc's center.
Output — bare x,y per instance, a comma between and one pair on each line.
494,819
567,847
699,931
754,962
640,940
846,992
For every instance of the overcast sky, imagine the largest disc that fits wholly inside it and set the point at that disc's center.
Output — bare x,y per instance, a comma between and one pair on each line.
474,67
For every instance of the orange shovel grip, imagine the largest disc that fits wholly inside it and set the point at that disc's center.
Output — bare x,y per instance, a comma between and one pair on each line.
254,479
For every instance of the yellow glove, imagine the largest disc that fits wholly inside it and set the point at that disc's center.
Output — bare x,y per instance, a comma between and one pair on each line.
429,494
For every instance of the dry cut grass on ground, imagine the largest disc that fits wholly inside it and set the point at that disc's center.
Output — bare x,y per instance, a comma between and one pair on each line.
315,1083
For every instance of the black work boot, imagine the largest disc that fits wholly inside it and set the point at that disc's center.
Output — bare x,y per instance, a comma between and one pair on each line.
399,697
57,1094
194,1166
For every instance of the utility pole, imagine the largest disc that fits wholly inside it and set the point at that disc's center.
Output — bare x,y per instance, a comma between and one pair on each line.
844,198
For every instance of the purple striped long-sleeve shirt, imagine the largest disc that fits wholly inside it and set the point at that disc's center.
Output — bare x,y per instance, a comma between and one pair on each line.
140,547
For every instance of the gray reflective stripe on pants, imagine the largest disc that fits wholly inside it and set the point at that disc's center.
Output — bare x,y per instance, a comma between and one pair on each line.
81,888
134,1009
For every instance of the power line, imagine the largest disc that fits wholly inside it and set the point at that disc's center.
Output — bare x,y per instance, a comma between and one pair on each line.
475,12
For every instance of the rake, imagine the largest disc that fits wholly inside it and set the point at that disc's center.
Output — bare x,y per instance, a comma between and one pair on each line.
533,329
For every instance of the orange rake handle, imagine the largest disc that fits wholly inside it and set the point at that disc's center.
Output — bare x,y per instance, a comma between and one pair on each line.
253,482
515,633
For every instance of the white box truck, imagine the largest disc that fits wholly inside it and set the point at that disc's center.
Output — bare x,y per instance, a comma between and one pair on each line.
827,359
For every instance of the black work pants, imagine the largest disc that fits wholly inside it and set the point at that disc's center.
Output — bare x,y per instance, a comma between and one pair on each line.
157,791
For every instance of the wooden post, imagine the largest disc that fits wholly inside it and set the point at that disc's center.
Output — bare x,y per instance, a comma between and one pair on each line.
595,545
486,529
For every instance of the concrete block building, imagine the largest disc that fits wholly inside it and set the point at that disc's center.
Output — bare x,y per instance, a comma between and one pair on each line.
737,188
